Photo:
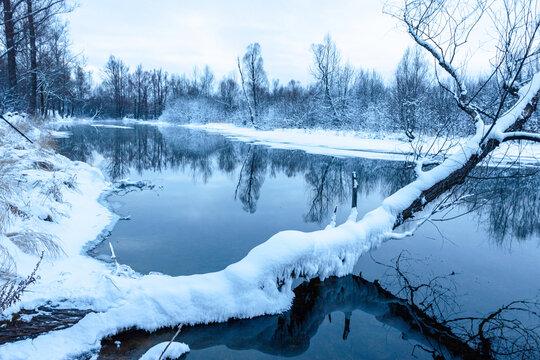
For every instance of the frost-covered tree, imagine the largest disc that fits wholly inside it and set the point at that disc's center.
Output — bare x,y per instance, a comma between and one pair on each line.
253,79
207,81
326,68
229,93
410,91
334,82
116,80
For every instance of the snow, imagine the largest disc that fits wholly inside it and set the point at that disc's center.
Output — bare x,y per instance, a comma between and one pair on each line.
392,146
358,144
110,126
174,351
261,283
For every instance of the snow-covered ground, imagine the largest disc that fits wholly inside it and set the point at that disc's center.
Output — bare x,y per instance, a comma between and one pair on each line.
166,350
362,144
51,205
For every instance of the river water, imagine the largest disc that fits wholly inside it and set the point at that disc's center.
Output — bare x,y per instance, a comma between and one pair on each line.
215,199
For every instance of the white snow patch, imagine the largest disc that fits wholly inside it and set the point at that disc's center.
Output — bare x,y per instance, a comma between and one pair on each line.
111,126
174,351
359,144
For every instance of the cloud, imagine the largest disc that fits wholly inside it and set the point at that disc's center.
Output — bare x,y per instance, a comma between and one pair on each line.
178,35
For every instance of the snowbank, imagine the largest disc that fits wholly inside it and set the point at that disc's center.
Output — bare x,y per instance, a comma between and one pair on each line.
360,144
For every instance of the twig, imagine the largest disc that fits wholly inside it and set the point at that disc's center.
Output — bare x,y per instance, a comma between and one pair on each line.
17,130
170,342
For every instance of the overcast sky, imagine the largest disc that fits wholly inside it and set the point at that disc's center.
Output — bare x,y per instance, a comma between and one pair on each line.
176,35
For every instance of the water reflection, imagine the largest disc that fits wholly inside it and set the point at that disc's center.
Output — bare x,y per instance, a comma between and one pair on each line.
285,335
512,200
290,334
507,201
150,148
266,183
251,178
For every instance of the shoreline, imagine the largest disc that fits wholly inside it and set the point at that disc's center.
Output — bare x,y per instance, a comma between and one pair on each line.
338,143
63,204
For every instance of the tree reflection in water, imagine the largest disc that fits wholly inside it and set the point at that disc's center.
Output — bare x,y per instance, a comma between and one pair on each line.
413,311
505,199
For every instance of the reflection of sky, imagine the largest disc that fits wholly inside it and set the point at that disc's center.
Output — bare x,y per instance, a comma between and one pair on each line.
177,35
194,225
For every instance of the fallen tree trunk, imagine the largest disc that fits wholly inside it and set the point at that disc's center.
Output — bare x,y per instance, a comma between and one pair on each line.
508,123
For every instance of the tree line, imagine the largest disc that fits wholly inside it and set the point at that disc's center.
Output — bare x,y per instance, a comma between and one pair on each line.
40,75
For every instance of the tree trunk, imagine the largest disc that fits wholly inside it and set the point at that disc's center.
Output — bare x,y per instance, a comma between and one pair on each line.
9,30
33,59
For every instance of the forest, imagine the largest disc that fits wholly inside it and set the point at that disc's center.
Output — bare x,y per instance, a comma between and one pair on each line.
40,74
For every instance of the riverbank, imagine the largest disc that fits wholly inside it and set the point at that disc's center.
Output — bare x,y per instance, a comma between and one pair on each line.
51,206
53,210
391,146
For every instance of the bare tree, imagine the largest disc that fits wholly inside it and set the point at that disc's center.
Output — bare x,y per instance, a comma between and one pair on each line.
253,77
207,81
160,90
116,73
410,90
228,92
244,91
26,25
443,30
326,58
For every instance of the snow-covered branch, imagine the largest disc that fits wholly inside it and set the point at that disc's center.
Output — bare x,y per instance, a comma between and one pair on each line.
521,135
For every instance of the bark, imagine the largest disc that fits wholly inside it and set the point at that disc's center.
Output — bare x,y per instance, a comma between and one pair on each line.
9,30
33,58
458,176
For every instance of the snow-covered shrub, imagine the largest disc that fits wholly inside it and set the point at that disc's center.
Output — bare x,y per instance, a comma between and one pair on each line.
188,110
32,187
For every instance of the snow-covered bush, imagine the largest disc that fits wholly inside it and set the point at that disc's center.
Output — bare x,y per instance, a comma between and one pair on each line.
31,193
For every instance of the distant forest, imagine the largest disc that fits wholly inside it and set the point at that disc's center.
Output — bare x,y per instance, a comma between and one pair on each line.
40,75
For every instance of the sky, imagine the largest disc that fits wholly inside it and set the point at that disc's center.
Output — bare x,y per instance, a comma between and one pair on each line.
178,35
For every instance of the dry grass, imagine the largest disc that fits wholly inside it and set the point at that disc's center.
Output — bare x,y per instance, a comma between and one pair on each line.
12,290
47,142
12,185
34,243
7,188
71,182
8,268
5,208
44,165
